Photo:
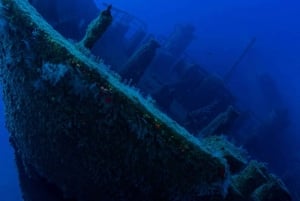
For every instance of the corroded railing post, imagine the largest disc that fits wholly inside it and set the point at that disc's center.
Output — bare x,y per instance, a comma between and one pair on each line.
96,28
139,61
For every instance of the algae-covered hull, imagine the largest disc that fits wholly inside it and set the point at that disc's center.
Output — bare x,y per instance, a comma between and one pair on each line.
74,124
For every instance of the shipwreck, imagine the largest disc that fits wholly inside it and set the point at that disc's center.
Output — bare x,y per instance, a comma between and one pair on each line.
80,132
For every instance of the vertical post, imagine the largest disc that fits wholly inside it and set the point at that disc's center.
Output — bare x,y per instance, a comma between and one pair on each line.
139,61
96,28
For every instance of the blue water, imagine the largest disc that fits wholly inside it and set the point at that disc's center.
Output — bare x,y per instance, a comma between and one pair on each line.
9,184
224,28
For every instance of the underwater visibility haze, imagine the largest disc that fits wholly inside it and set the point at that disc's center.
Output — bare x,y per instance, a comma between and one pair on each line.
149,100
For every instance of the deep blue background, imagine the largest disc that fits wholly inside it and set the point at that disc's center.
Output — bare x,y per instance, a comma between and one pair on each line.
9,185
224,28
